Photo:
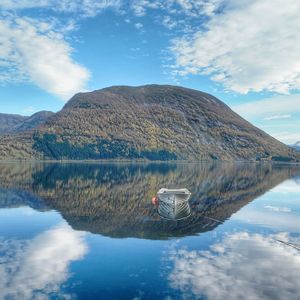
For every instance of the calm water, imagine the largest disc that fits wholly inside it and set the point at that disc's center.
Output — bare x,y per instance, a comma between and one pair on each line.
89,231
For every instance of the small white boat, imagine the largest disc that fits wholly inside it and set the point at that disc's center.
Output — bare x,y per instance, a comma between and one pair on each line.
174,204
173,195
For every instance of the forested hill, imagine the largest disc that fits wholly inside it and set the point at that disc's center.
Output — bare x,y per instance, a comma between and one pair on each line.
153,122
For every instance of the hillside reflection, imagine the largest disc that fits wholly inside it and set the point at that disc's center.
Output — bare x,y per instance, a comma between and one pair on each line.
114,199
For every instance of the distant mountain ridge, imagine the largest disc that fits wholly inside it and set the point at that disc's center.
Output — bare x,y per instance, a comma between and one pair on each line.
296,146
34,121
9,121
152,122
17,123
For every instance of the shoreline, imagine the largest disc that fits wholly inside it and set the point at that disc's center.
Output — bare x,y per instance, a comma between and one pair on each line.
142,161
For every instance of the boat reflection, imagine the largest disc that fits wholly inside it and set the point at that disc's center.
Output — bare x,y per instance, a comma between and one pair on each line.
176,210
173,204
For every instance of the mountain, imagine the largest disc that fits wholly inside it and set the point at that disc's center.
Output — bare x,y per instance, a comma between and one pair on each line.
296,146
33,121
16,123
153,122
8,122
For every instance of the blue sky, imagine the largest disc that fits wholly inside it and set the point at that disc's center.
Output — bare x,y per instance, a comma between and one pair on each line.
245,52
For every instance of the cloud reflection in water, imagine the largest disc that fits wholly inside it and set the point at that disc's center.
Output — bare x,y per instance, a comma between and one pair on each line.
243,265
34,269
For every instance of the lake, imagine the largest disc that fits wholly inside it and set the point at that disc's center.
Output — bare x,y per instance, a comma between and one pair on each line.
90,231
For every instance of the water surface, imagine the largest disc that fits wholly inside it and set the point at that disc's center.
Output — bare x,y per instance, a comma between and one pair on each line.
89,231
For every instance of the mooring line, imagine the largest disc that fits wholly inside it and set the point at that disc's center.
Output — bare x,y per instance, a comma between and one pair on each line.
293,245
212,219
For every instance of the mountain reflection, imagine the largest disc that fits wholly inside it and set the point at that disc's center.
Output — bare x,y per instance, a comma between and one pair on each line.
114,199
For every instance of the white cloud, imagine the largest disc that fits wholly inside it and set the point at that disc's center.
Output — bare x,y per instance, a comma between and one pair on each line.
139,26
191,8
285,108
30,110
195,8
277,117
270,106
84,8
35,269
23,4
252,45
289,187
89,8
277,209
169,22
135,49
278,212
279,220
32,50
140,7
287,137
37,51
242,265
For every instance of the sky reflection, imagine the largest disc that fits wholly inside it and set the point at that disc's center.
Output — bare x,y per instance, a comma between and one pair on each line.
89,231
277,210
242,264
35,269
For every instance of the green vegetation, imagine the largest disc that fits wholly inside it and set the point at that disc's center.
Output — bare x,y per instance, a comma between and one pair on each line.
282,158
51,148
